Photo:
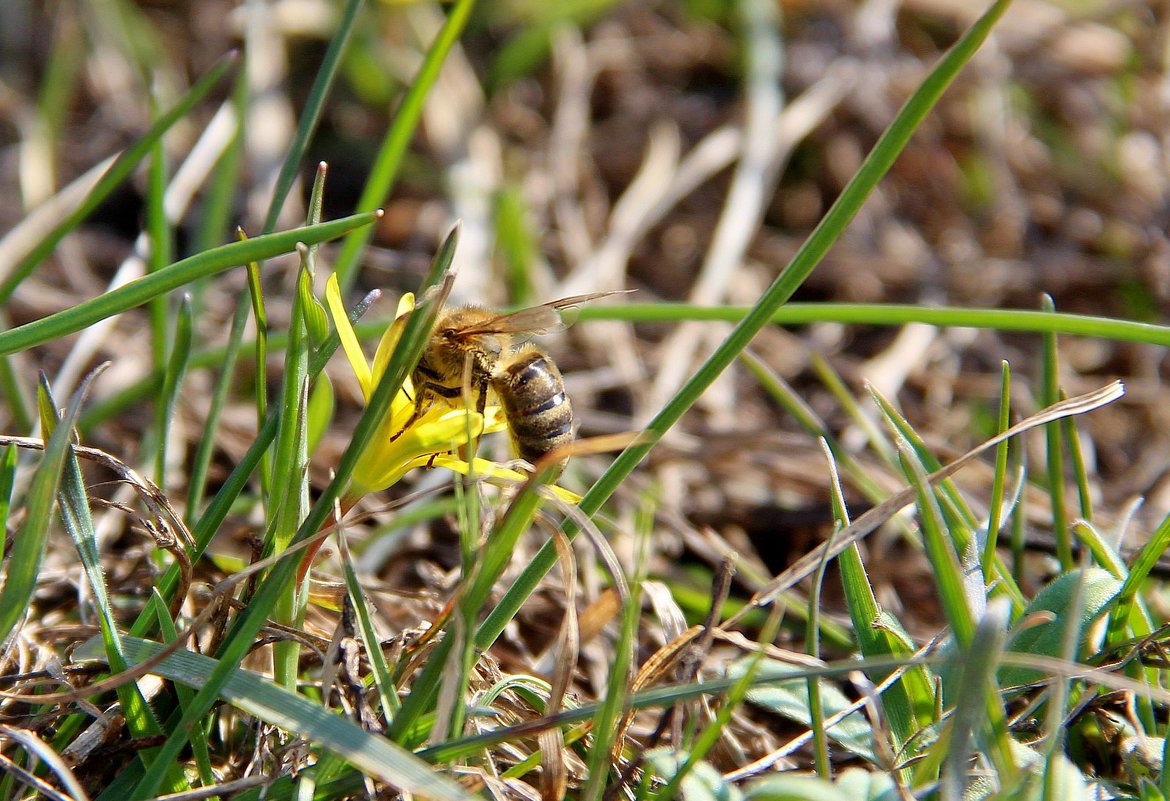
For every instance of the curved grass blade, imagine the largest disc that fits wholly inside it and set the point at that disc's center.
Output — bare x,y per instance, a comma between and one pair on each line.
172,277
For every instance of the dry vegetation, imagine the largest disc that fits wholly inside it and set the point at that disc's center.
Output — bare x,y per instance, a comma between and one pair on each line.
682,150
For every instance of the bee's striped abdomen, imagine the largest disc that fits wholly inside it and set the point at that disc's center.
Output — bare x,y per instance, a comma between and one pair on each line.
539,414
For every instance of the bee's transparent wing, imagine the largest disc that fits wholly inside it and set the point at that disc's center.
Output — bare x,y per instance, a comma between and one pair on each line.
542,319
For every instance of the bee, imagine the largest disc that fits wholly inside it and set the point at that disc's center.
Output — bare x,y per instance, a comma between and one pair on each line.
492,350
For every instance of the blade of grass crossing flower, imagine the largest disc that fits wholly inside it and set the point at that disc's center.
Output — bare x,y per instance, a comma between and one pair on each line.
171,277
28,547
910,702
501,544
123,165
999,480
180,356
876,164
212,518
384,170
238,642
1050,394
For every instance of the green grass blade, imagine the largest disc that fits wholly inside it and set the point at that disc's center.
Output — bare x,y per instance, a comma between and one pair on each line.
123,165
945,564
172,381
73,502
893,314
174,276
999,480
975,697
1079,468
876,164
199,745
501,545
197,483
1050,394
273,704
1139,571
28,547
909,702
7,481
384,170
161,247
311,114
387,692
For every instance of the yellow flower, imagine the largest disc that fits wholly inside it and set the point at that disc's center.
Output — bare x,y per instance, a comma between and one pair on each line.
400,443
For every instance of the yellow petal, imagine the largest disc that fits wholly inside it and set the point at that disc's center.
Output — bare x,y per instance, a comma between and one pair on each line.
349,340
390,339
386,461
490,469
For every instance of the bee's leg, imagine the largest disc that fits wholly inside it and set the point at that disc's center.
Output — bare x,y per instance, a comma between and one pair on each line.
481,398
425,398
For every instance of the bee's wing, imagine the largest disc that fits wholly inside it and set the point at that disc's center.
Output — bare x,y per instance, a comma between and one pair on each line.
542,319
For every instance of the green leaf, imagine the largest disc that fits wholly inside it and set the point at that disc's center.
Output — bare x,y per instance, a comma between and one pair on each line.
789,699
1046,638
